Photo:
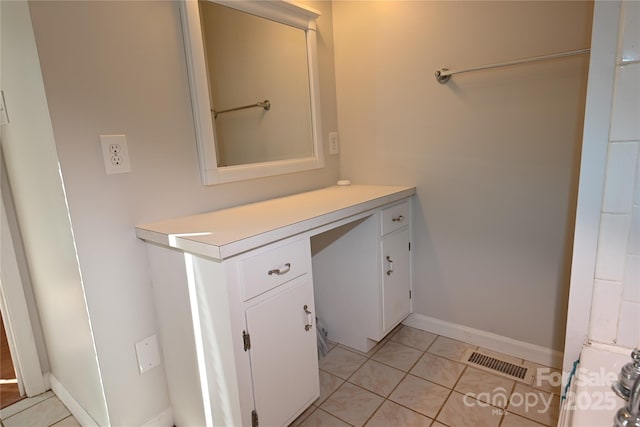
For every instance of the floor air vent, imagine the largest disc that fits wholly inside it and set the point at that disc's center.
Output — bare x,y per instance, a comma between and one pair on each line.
495,365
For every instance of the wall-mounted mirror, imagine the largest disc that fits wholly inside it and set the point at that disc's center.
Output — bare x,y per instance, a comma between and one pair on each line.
254,87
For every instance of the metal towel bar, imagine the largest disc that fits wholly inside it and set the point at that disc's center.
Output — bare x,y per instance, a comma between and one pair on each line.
443,75
262,104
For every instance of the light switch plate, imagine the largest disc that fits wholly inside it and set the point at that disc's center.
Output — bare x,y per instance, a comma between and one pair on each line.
148,353
334,147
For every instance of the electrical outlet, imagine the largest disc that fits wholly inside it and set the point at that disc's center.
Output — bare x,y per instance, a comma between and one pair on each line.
115,154
334,148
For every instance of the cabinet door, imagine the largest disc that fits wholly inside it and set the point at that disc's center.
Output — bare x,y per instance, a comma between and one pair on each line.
396,278
284,359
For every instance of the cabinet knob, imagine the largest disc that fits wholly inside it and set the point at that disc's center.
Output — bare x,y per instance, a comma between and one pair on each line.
280,271
309,324
399,218
390,270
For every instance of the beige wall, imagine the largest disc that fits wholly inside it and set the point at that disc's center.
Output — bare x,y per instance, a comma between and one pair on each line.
119,67
494,154
32,169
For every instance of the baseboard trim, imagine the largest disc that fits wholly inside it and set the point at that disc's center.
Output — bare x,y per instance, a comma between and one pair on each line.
534,353
163,419
71,403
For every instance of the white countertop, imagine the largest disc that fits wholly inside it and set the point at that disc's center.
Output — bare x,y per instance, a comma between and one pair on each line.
228,232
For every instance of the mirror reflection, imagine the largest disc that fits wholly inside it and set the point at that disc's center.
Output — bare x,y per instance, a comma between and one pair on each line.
259,87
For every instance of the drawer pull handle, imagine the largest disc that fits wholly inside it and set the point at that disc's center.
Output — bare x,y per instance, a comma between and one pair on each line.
280,271
309,318
390,261
399,218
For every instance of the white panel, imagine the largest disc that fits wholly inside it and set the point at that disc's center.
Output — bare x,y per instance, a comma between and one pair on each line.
395,278
636,198
634,233
628,329
604,311
284,360
612,246
619,182
630,31
625,125
631,288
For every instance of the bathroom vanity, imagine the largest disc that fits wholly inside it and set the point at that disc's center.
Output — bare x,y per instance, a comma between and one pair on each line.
238,291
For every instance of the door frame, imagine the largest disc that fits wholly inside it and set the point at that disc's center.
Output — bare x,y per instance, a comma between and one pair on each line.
15,312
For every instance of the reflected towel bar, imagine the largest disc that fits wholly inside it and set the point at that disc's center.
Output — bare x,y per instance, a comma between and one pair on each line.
262,104
443,75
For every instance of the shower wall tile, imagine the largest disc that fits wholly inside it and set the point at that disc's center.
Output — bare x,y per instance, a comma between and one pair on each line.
629,48
625,125
628,331
620,176
612,246
631,284
604,311
636,198
634,233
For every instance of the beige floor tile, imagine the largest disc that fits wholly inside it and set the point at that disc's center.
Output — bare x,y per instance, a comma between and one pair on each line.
24,404
391,414
545,378
437,424
67,422
535,404
413,337
397,355
45,413
420,395
513,420
450,349
438,370
328,384
352,404
302,417
341,363
460,410
376,377
485,387
320,418
369,353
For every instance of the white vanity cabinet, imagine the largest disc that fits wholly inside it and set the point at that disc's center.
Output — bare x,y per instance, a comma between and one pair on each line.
236,293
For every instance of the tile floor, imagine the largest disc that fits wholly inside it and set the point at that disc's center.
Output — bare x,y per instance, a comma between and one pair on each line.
415,378
43,410
412,378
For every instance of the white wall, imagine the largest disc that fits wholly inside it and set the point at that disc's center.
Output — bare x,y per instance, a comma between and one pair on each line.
608,274
494,154
118,67
32,169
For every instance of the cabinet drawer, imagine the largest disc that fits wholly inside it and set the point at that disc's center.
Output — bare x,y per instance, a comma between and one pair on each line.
395,217
268,269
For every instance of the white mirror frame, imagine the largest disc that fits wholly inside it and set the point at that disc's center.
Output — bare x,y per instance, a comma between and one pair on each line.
281,11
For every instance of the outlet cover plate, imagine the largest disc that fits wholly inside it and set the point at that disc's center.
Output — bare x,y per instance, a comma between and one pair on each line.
115,160
148,353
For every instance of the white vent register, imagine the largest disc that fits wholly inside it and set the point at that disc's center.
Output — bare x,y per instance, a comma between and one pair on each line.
240,289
